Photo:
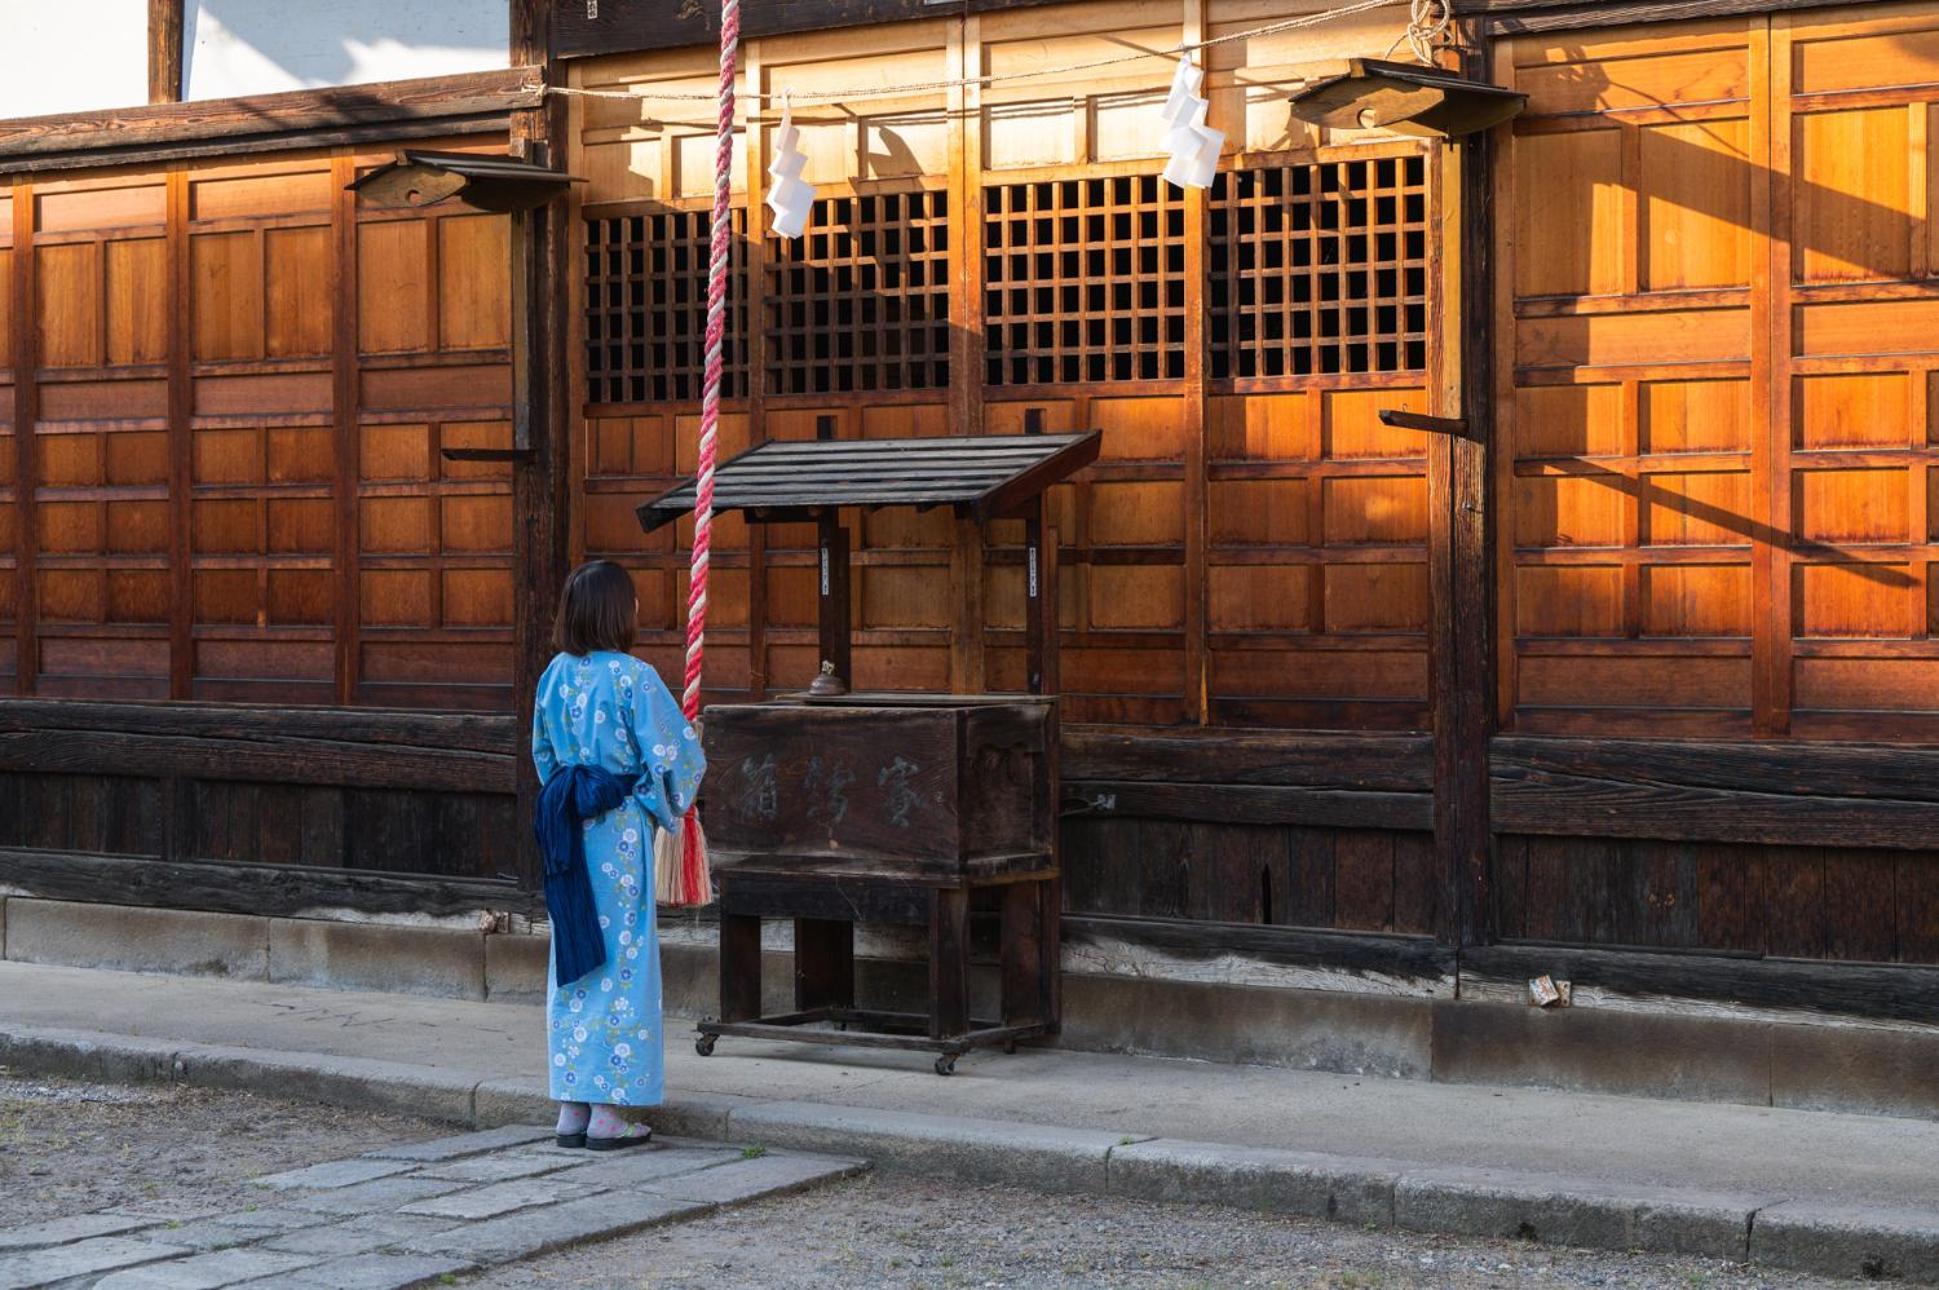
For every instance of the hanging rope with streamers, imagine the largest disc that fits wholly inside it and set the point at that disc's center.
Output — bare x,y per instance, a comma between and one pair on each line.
681,872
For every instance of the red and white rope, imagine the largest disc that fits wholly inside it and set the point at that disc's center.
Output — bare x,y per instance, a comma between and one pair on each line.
723,233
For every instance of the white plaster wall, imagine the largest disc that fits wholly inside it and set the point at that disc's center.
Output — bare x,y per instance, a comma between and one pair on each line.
264,46
72,57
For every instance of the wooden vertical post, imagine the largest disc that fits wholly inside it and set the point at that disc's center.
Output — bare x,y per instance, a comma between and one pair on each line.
1461,543
542,419
24,359
754,141
165,55
832,582
345,394
181,614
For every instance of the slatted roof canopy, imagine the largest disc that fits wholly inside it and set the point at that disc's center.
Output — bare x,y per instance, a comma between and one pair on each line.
977,475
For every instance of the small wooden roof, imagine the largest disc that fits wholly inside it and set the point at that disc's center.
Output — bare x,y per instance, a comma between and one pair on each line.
978,475
425,177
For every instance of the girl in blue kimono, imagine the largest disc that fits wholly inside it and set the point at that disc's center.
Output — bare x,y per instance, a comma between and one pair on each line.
597,705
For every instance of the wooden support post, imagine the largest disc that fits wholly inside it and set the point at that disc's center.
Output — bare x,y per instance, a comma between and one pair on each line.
949,962
165,57
740,967
824,963
1461,550
181,624
966,645
1025,985
833,584
25,360
541,266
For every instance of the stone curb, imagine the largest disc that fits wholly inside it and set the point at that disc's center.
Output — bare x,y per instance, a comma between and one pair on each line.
1768,1231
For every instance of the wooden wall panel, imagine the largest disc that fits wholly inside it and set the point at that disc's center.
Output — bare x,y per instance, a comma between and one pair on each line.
1716,379
188,482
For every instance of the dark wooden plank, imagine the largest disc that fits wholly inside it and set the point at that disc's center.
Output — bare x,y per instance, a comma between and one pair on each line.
614,26
1814,770
1417,884
165,50
273,890
833,597
1388,763
1916,894
1249,804
257,117
1894,993
1861,912
824,963
1309,879
284,761
1228,871
466,732
256,145
771,895
1794,902
1730,898
1363,876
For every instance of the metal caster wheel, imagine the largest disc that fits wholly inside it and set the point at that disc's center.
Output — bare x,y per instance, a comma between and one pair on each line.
705,1045
946,1064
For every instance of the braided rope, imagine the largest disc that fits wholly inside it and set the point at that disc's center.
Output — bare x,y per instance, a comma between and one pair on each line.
723,233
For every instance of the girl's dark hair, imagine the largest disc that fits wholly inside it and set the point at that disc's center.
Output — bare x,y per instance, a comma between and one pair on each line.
597,610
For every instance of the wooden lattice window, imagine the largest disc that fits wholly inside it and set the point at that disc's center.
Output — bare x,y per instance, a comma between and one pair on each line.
861,300
646,308
1085,281
1320,269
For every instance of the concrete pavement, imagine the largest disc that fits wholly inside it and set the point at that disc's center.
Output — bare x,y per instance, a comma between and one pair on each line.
1837,1194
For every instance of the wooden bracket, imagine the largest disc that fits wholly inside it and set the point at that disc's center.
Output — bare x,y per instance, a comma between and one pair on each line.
1456,426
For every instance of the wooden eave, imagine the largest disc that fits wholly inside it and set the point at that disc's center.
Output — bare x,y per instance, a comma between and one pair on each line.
629,26
983,476
468,103
1515,17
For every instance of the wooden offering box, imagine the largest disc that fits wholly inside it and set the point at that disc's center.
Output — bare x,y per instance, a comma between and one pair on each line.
833,808
944,788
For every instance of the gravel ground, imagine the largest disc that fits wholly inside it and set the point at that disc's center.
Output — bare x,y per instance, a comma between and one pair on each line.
898,1233
68,1147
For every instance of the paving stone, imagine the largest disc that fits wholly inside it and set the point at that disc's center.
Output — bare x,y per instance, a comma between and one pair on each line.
1262,1178
503,1166
83,1258
74,1227
499,1198
369,1272
221,1231
384,1196
465,1144
207,1271
1850,1241
638,1165
334,1173
743,1180
359,1235
534,1231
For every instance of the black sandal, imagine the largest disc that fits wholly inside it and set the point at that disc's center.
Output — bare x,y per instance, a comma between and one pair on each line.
569,1139
628,1139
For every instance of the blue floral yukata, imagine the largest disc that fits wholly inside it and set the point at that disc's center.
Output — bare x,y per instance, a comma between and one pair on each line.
613,711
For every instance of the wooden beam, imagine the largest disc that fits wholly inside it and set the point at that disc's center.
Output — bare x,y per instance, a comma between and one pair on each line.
541,388
283,761
272,890
165,56
258,121
1367,763
1849,989
1515,17
1780,794
25,360
247,726
619,26
1249,804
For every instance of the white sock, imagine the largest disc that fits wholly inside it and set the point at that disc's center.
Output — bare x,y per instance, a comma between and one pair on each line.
573,1117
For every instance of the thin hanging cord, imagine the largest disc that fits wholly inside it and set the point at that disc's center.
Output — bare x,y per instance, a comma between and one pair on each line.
1429,23
856,93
